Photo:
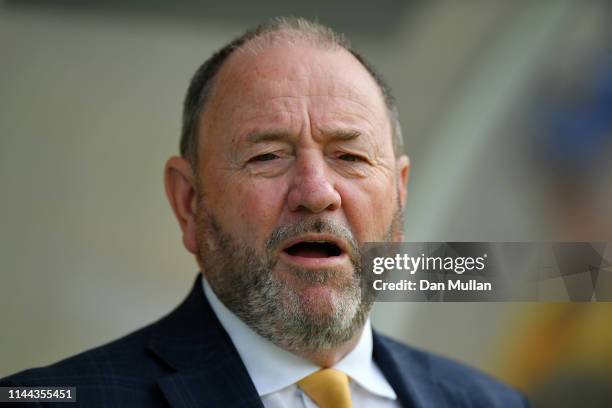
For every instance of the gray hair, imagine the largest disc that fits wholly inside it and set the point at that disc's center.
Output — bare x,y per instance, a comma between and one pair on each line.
274,31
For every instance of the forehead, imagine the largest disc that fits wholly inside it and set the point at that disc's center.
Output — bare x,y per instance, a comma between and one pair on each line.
290,79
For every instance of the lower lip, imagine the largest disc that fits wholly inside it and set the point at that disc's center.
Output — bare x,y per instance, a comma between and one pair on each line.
314,263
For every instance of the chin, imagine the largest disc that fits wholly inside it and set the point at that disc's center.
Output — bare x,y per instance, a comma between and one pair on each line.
319,298
324,304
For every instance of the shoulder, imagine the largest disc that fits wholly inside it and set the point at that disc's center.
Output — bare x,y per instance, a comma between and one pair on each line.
107,374
457,381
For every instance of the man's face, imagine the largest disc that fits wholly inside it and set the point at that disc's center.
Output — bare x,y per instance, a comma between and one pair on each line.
296,171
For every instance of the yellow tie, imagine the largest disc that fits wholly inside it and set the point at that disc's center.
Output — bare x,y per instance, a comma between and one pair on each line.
328,388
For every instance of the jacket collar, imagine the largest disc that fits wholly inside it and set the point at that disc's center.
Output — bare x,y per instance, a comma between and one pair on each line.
209,371
414,377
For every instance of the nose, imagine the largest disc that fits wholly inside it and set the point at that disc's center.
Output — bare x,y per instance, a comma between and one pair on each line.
311,188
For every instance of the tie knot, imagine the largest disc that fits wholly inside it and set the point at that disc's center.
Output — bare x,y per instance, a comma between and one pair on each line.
328,388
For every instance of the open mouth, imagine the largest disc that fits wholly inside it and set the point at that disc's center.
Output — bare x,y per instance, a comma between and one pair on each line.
314,249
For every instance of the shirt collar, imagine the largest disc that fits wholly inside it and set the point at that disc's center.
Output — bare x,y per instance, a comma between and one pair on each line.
272,368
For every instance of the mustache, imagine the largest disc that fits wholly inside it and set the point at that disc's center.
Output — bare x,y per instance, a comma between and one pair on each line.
313,225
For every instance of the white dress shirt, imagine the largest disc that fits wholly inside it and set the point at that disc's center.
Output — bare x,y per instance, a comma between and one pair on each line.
275,371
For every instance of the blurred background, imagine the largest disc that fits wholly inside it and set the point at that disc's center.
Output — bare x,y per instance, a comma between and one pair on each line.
506,108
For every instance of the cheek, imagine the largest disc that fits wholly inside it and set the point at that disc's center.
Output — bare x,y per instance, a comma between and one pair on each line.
251,209
369,208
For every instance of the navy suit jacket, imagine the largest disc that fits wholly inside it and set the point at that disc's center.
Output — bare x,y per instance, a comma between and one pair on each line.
186,359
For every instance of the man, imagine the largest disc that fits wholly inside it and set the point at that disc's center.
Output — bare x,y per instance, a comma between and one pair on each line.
291,159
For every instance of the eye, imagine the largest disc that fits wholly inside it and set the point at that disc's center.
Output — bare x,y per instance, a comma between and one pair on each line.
350,157
264,157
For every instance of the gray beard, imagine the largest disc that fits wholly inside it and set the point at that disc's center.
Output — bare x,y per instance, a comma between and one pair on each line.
245,283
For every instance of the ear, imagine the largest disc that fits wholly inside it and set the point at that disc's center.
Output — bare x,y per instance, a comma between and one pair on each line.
403,174
181,192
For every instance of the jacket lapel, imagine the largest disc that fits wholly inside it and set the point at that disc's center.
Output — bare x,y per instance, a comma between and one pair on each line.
208,369
405,374
413,377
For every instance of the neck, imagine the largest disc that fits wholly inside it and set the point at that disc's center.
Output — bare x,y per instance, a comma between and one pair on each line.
330,357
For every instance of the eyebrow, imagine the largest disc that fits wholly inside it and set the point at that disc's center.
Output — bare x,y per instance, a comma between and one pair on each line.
257,137
342,134
336,134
